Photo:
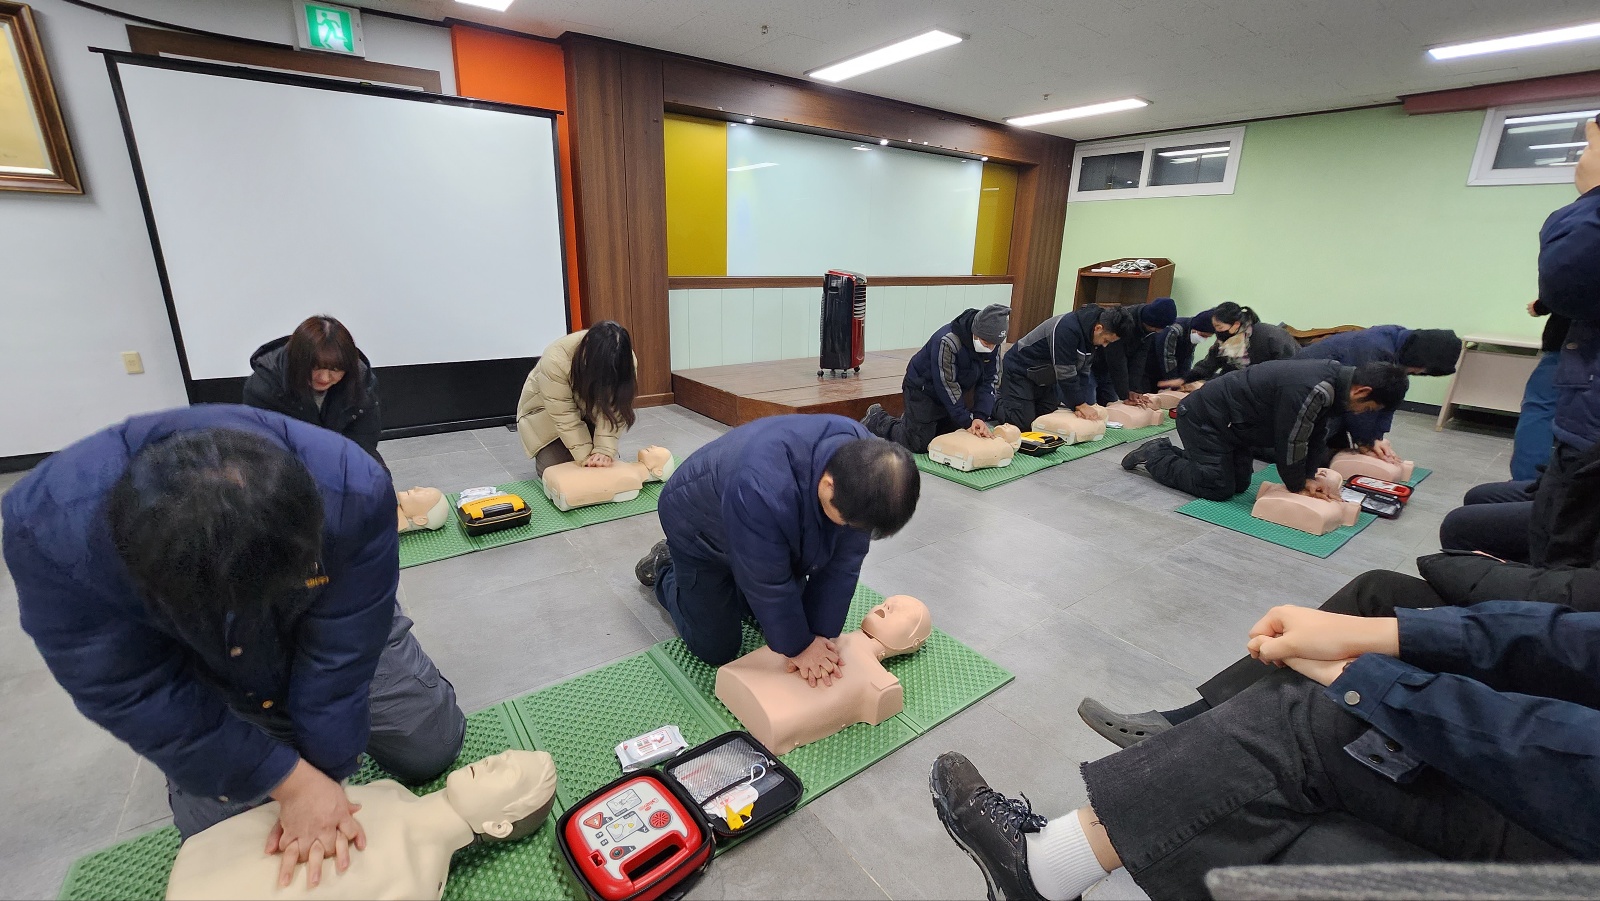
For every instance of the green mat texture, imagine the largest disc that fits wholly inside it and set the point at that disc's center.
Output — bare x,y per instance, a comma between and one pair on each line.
579,722
1234,514
1024,465
452,540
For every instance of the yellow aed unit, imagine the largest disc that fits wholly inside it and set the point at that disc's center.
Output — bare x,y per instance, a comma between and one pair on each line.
1037,444
485,510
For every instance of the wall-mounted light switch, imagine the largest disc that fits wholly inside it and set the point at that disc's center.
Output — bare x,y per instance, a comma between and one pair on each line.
132,362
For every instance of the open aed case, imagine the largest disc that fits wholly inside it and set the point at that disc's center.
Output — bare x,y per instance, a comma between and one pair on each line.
652,833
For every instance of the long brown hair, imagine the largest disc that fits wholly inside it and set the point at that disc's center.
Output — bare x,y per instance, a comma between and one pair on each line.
603,378
322,342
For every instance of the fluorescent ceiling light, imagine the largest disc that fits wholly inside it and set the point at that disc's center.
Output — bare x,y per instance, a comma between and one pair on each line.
752,166
498,6
983,159
883,142
1079,112
1518,41
1565,146
927,42
749,121
859,147
1554,117
1208,150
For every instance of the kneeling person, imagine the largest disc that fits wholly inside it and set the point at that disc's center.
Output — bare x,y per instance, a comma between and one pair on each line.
773,519
960,357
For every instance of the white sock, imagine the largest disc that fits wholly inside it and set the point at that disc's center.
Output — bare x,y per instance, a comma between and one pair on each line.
1061,861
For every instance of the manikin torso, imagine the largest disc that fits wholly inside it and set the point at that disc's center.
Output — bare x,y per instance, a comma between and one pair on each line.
1132,417
1072,428
783,712
1167,399
572,485
965,451
1351,463
1275,503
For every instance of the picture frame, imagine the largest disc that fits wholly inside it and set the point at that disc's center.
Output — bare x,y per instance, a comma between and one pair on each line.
35,154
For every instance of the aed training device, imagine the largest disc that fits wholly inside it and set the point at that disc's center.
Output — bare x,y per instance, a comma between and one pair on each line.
1380,488
651,833
485,510
1038,444
1372,503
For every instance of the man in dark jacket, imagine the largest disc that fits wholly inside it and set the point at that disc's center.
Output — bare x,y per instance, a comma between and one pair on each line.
1119,367
773,520
1169,353
1530,449
1049,368
960,357
349,407
1420,351
215,586
1284,405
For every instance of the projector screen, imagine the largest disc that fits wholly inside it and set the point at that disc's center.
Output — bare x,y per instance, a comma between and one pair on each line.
430,227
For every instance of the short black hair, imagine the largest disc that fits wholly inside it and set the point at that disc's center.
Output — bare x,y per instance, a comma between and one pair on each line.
875,485
1119,321
216,523
1388,382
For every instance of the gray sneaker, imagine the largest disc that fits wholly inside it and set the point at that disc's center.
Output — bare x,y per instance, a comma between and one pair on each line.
1121,729
987,825
647,567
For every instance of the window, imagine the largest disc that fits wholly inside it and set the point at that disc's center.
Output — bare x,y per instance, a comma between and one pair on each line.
1532,144
1166,166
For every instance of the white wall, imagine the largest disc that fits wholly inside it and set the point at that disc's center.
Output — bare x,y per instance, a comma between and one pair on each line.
722,326
78,281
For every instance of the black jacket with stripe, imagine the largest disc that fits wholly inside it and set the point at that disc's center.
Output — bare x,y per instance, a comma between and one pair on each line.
1281,404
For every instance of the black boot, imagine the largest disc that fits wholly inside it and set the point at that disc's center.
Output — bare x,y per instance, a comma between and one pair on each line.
647,567
987,825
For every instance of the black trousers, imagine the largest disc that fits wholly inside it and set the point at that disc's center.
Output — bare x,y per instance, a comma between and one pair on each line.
1210,465
1265,774
1565,526
1021,401
1493,518
924,419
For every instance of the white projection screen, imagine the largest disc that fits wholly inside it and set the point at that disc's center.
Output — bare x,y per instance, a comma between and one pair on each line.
801,204
430,226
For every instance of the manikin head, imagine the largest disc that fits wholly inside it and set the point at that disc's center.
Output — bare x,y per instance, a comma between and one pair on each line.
658,460
321,354
1377,386
1587,174
870,485
422,508
504,797
901,624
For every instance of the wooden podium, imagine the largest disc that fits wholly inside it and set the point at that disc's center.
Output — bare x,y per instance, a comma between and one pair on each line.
1120,288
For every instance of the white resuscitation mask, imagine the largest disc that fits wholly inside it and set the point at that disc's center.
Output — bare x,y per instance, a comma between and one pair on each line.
980,347
1196,338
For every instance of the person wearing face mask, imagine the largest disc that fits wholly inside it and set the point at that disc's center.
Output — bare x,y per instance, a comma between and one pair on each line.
1048,369
318,375
1118,367
961,357
1169,353
1242,340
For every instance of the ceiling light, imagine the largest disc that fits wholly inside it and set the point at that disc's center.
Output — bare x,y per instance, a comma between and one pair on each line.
749,121
498,6
1518,42
883,142
1079,112
1554,117
1221,150
927,42
859,147
1565,146
752,166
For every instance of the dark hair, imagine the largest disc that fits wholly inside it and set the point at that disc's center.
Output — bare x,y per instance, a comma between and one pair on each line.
322,342
1230,313
216,525
1119,321
1388,382
875,485
602,374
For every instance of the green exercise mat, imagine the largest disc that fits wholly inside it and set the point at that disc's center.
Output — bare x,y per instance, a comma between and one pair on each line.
452,540
1234,514
580,721
1025,465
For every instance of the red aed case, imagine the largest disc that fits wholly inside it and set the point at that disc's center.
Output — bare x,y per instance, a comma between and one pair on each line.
635,839
1380,488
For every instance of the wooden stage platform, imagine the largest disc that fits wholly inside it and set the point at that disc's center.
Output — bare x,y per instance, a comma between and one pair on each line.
743,392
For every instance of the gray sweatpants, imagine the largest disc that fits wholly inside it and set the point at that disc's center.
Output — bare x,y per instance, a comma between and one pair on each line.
417,729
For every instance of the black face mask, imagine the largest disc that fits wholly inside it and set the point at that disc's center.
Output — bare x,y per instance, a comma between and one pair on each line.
1223,336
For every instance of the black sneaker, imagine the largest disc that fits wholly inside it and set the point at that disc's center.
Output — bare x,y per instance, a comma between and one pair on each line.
1121,729
1139,456
874,416
987,825
647,567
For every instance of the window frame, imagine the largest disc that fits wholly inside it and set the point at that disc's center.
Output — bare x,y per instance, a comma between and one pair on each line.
1150,147
1483,172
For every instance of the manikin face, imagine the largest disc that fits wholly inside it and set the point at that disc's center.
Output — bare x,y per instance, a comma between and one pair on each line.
901,623
1587,175
495,793
323,379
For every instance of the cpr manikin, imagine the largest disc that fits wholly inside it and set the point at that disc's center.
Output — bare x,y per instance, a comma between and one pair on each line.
409,839
1275,503
1167,399
572,485
421,508
965,451
783,712
1072,428
1131,417
1351,463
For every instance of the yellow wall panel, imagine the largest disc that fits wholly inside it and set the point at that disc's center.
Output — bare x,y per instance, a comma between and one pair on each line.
697,196
991,251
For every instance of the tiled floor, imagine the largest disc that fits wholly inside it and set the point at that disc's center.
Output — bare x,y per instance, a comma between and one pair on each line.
1080,579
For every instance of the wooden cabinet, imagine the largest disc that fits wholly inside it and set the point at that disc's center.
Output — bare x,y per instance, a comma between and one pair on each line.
1119,288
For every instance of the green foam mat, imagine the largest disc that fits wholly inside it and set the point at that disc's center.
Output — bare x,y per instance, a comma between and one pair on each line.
1234,514
1025,465
452,540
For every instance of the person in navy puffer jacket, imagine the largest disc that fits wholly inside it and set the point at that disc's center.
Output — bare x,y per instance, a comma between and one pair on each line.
773,519
1421,351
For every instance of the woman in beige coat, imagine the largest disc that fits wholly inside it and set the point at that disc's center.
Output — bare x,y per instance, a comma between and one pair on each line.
579,398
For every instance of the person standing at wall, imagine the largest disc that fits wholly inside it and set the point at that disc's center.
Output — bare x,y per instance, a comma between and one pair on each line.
317,374
578,400
962,357
1535,436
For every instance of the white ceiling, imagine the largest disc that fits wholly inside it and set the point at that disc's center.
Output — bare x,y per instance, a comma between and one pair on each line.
1198,62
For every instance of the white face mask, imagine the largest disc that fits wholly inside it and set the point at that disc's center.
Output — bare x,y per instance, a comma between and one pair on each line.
1196,338
980,347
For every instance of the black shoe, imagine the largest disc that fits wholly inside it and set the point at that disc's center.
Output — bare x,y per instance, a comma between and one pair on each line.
1121,729
987,825
647,567
1139,456
874,417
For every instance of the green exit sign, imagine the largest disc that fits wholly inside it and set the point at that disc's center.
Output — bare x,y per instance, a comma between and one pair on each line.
324,26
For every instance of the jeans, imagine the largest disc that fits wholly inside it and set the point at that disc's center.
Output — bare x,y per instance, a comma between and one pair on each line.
417,729
924,419
1266,773
1530,450
706,607
1493,518
1210,465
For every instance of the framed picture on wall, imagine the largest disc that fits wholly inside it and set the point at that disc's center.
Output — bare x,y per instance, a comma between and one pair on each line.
34,152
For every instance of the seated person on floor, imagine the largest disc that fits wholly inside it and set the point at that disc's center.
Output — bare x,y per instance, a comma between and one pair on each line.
965,451
773,519
1422,352
1318,516
1242,340
1049,368
1284,405
408,839
783,712
578,399
962,357
421,508
1456,734
571,485
1493,519
1118,369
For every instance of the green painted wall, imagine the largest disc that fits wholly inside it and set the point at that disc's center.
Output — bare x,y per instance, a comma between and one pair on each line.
1362,217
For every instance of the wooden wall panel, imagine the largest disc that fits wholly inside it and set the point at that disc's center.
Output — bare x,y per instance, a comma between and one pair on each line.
1483,96
1036,234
